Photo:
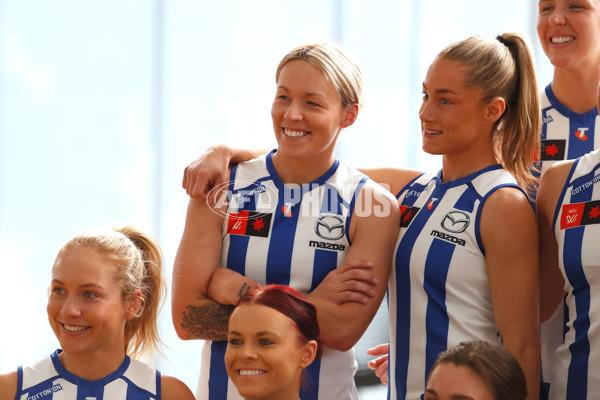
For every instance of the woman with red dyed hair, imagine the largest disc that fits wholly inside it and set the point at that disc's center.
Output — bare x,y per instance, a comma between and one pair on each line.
273,335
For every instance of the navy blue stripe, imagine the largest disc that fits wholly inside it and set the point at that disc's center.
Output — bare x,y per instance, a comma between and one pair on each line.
563,192
434,284
135,392
325,261
402,265
352,205
236,254
309,389
577,146
467,199
19,381
86,390
331,201
580,348
218,379
281,244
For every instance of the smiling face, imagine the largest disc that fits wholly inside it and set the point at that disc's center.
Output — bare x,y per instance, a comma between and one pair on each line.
451,382
265,357
307,114
569,32
453,118
85,308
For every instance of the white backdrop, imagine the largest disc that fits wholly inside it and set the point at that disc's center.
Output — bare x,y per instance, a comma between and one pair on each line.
103,103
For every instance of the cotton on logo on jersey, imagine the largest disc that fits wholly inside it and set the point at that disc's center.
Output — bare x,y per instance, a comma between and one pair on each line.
580,134
579,214
46,392
249,223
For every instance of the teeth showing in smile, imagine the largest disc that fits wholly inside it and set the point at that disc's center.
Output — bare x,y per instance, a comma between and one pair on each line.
252,372
292,133
431,132
74,328
562,39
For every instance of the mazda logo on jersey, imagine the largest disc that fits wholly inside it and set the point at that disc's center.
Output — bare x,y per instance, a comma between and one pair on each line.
330,227
456,221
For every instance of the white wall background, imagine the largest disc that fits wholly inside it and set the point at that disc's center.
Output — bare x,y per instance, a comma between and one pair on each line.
103,103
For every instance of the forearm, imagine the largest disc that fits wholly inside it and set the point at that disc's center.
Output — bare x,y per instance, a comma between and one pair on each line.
342,325
203,319
528,356
237,154
227,286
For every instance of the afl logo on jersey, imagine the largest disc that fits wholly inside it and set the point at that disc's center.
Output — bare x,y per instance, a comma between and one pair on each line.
330,227
456,221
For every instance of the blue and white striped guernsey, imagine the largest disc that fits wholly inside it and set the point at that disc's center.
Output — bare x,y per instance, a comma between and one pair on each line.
439,292
276,233
577,229
566,134
48,380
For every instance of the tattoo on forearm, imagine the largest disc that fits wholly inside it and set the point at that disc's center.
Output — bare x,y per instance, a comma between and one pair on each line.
245,287
208,321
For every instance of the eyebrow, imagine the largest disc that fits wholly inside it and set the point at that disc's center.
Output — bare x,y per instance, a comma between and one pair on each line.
453,396
91,284
261,333
441,91
306,94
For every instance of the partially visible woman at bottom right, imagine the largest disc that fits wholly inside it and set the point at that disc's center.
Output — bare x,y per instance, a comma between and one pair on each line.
476,370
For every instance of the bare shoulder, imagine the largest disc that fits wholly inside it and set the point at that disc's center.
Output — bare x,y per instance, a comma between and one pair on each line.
551,184
507,198
174,389
379,192
508,208
375,201
8,385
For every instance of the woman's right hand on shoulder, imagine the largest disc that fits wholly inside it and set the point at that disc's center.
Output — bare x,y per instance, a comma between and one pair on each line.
207,171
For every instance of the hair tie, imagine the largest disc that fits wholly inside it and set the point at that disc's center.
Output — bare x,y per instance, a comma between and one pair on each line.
501,39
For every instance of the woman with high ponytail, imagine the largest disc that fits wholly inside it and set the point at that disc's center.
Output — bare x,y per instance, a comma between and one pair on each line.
106,291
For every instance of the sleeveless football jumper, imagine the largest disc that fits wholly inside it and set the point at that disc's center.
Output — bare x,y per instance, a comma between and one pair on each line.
439,292
576,226
291,235
48,380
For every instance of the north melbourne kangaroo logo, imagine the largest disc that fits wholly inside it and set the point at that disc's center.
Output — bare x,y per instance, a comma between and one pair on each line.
456,221
330,227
